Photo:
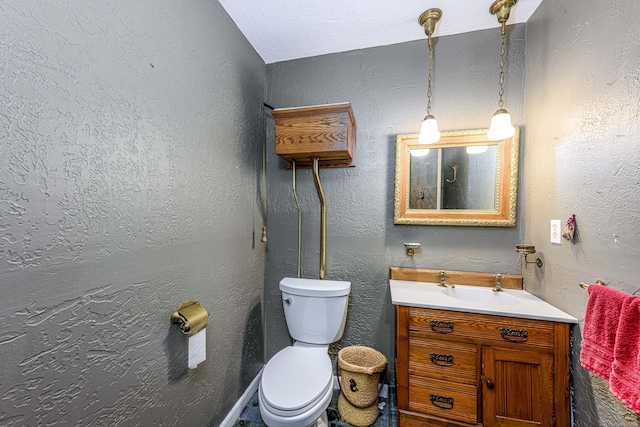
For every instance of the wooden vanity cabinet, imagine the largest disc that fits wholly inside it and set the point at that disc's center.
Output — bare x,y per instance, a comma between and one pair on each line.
465,369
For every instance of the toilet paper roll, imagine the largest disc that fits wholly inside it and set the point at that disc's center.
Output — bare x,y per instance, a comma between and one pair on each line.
197,348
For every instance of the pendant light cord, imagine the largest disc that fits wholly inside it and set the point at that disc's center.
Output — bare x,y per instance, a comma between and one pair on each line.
502,51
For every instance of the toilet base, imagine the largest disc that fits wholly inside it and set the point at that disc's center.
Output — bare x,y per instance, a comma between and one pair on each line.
323,421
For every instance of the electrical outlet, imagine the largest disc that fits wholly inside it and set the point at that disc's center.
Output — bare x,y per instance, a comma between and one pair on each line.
556,233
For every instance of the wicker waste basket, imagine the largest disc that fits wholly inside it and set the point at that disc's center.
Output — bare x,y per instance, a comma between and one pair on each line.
359,391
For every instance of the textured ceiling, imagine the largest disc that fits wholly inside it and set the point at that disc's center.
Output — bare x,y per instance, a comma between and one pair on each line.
281,30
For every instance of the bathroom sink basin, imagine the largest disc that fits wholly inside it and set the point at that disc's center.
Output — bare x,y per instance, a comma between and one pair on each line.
481,295
475,299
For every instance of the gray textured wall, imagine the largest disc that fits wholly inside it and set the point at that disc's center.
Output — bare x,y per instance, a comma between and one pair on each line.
130,151
387,89
582,157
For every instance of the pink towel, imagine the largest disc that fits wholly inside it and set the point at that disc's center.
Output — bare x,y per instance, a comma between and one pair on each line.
600,329
625,375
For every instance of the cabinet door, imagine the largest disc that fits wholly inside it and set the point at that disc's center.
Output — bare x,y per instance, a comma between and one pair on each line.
517,388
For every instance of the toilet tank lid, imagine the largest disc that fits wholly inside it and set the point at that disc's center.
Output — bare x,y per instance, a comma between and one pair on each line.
315,287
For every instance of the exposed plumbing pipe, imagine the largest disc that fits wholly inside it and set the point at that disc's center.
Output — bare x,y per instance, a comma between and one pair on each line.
323,218
295,196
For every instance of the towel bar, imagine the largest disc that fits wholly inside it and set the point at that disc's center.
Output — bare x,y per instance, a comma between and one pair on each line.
585,285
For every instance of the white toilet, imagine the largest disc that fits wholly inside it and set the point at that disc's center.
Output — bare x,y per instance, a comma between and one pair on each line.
297,383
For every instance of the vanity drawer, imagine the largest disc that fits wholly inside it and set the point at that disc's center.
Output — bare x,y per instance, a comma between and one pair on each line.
442,360
484,328
444,399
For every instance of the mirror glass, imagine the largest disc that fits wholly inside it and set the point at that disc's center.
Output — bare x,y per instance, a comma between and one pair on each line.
464,179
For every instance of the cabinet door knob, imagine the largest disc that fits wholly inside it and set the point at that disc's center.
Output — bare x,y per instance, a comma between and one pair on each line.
490,384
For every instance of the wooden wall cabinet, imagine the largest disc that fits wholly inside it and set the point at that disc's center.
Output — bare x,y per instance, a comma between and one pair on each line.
465,369
324,131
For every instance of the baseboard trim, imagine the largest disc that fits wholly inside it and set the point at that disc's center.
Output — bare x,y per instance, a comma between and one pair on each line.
235,412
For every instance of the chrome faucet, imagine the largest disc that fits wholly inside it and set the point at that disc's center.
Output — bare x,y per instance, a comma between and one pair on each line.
498,287
443,283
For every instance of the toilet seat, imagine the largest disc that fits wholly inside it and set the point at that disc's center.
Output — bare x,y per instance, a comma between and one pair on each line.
296,379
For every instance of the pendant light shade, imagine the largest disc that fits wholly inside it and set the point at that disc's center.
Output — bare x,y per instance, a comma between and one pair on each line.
429,133
501,127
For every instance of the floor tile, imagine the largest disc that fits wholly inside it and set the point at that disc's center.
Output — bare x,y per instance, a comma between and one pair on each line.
250,416
251,413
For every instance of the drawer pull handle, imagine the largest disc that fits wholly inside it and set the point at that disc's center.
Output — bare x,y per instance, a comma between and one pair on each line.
441,359
443,402
514,335
441,326
490,384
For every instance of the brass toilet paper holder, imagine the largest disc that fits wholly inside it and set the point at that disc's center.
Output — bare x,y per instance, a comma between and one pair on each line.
191,317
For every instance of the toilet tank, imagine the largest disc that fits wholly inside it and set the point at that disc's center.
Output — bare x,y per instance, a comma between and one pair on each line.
315,310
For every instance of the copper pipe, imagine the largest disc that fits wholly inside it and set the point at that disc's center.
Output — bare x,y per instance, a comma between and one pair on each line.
295,196
323,218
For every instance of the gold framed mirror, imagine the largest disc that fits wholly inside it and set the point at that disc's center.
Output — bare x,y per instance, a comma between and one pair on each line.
465,179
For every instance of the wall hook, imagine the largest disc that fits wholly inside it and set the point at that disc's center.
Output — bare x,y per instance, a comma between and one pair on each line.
455,173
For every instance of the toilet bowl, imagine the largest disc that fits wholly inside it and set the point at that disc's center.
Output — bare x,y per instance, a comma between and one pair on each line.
296,386
297,383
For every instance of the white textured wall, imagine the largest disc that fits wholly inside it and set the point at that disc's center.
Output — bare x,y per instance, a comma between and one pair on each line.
130,148
387,88
582,157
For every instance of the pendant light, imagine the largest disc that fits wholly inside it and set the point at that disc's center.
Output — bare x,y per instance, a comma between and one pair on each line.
501,127
429,132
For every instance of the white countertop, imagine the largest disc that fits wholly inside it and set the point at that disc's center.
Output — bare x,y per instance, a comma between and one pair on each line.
431,295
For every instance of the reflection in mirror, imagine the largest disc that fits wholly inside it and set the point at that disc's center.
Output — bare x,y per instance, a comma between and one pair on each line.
465,179
453,178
